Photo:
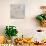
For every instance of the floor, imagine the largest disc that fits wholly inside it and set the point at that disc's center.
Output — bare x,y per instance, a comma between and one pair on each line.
30,45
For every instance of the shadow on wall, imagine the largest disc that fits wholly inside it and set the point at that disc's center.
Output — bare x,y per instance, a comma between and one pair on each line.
34,22
2,29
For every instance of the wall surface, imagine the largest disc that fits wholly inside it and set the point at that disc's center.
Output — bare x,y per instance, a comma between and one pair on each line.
25,26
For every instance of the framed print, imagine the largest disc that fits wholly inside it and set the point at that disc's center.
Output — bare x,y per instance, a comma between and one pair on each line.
17,11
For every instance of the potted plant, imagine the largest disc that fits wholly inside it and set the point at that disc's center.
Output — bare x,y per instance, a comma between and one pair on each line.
42,17
10,31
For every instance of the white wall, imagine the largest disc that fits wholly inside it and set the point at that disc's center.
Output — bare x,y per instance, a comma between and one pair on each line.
25,26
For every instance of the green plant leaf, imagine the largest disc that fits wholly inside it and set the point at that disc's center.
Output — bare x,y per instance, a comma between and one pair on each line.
40,18
10,31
